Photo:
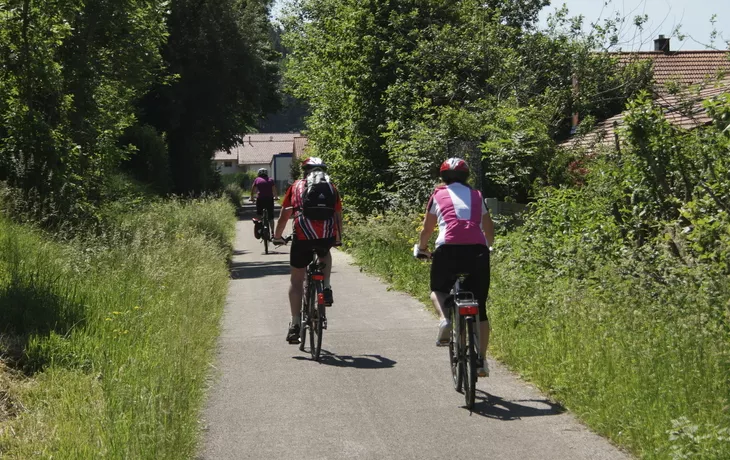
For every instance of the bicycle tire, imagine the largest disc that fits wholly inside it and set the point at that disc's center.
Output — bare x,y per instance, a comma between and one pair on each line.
304,313
317,312
470,374
454,361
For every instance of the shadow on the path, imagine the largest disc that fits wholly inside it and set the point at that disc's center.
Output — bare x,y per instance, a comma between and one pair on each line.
357,362
250,270
491,406
240,252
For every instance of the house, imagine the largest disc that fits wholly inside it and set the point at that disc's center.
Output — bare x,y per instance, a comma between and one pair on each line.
300,146
707,69
684,109
272,151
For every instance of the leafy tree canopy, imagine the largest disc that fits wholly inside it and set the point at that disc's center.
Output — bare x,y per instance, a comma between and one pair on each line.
391,84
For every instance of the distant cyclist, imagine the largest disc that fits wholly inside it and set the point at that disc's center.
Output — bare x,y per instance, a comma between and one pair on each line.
462,247
265,190
315,204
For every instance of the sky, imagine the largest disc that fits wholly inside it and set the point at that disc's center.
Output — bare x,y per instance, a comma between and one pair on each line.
664,16
693,17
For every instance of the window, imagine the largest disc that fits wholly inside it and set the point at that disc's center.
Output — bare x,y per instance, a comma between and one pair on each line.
227,164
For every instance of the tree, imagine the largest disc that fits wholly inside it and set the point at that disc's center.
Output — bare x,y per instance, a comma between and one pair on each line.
224,78
70,71
391,84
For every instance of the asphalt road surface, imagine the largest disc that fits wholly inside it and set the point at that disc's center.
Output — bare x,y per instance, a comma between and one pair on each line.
382,390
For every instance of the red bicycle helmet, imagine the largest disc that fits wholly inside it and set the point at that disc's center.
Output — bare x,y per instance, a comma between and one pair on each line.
454,170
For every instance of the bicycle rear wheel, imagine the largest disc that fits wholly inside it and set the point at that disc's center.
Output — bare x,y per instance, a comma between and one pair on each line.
470,374
316,314
457,369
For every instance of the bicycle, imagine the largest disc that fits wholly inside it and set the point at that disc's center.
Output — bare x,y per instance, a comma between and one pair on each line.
313,317
464,338
265,229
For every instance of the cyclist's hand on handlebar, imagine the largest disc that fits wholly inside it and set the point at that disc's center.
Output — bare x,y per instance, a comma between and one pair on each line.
279,241
419,253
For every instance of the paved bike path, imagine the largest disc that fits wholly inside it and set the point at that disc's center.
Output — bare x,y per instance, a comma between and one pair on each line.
382,389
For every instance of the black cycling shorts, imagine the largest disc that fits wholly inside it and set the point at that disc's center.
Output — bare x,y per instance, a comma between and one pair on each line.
265,202
450,260
301,251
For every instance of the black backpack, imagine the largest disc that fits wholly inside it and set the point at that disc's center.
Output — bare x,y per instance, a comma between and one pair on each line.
318,201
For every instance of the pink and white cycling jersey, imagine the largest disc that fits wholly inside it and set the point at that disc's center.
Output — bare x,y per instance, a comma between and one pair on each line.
459,210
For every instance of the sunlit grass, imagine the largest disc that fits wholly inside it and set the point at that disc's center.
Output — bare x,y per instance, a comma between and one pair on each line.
122,332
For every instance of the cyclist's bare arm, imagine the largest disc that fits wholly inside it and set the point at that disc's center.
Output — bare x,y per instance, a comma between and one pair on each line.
284,217
429,224
253,191
488,228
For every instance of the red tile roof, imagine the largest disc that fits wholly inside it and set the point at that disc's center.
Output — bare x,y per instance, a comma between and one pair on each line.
682,66
675,110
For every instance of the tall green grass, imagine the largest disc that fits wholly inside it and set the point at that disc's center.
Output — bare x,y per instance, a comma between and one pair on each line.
117,332
641,361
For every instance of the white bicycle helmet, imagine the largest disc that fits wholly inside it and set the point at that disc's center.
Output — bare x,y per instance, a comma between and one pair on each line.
313,163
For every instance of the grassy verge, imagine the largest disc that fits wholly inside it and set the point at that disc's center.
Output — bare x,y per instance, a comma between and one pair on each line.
643,363
114,334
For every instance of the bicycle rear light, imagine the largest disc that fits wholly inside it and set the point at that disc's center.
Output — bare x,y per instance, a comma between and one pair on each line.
468,310
320,298
318,277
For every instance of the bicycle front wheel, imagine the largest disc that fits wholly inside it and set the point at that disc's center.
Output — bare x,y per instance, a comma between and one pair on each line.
304,314
316,310
470,374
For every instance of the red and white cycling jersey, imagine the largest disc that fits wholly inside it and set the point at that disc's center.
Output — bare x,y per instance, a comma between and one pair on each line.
307,229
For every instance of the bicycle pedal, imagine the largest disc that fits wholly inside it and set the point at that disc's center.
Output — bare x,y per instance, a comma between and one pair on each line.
324,323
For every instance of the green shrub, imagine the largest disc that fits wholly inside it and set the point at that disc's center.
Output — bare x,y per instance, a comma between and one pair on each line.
242,179
234,193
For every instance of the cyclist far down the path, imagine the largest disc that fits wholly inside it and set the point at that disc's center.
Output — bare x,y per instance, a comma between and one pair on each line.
315,205
265,191
462,247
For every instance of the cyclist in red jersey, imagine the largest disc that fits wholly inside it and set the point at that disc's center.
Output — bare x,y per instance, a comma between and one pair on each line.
310,236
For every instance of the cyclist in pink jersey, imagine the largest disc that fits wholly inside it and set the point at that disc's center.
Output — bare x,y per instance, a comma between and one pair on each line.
264,189
462,247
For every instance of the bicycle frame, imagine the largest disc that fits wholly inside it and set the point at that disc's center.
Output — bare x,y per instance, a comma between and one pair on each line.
265,224
467,307
315,273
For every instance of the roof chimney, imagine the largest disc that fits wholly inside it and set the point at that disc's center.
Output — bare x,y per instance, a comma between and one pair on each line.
661,44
